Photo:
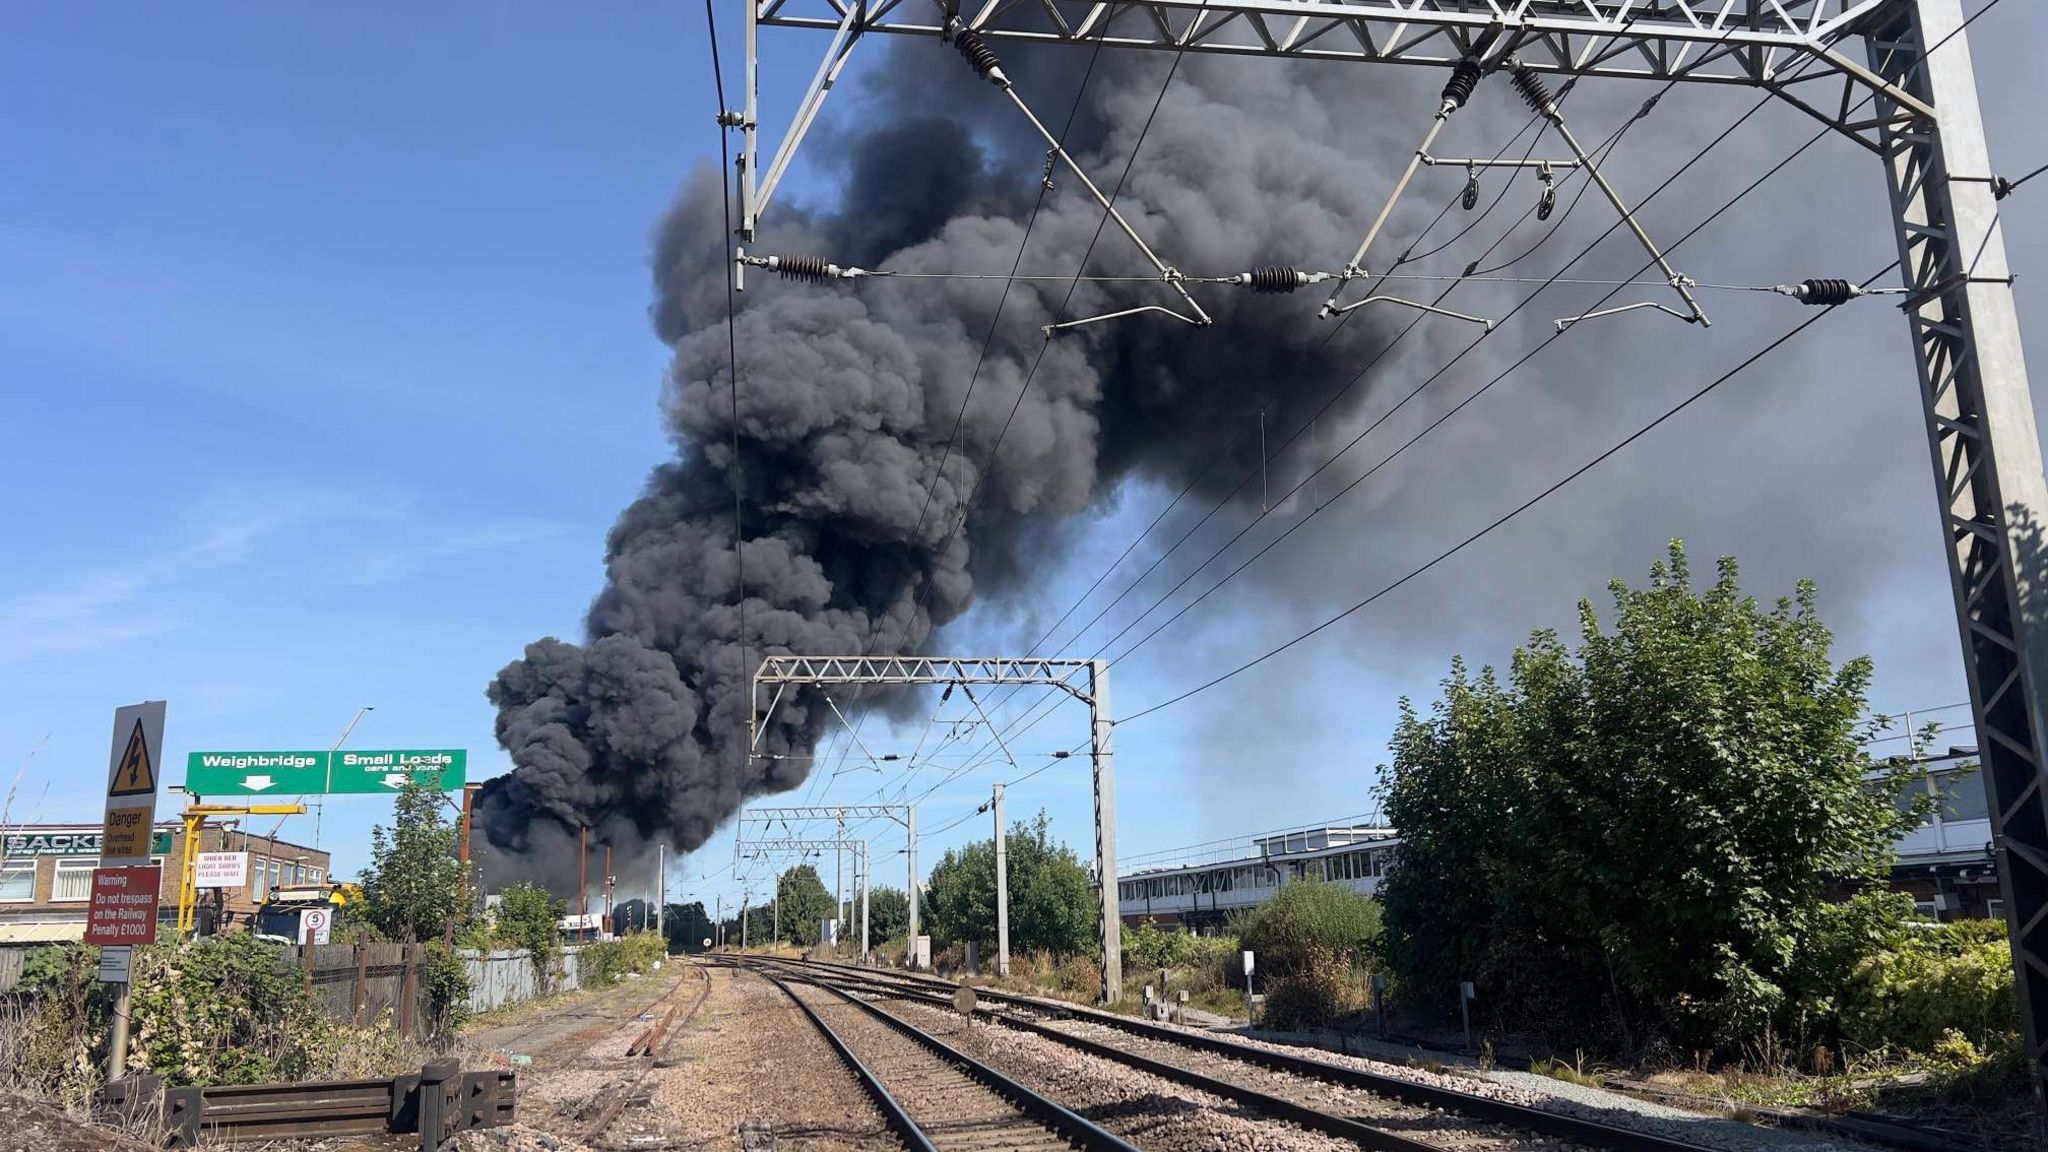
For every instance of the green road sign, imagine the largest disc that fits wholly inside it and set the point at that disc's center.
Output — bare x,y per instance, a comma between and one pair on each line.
309,773
391,770
255,773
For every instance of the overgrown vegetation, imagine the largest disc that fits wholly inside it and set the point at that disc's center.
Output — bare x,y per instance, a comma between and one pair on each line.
527,917
223,1009
604,963
1306,924
1149,946
1052,900
1630,846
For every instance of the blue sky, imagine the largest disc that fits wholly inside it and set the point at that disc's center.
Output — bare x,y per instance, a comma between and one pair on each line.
324,368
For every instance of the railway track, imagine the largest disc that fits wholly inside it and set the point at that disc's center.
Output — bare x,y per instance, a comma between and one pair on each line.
1370,1109
648,1049
936,1098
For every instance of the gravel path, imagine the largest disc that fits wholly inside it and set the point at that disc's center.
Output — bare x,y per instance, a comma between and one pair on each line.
1445,1129
1567,1099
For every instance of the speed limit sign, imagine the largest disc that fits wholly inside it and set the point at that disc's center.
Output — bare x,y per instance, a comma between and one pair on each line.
315,925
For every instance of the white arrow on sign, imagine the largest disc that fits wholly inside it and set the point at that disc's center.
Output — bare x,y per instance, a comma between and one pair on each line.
257,783
396,779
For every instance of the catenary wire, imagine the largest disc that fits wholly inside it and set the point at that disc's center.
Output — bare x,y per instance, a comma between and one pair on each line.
1302,428
1752,111
1616,448
988,339
1531,502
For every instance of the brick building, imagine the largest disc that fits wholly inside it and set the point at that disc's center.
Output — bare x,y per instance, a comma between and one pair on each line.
46,877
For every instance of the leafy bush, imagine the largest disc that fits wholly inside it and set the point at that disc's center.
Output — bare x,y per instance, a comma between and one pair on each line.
51,1044
444,981
1934,986
527,917
1308,920
600,965
1147,946
223,1010
1315,993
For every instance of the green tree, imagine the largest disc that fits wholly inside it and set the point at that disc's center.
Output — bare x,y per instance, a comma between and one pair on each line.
414,888
528,916
1052,899
687,926
890,908
1633,842
804,900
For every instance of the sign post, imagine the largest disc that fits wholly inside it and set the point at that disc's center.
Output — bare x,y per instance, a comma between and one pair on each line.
125,886
314,926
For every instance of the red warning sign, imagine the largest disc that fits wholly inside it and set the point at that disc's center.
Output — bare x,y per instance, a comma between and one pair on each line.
124,905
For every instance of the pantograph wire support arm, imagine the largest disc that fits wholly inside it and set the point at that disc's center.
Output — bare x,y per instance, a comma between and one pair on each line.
1465,76
1537,95
983,60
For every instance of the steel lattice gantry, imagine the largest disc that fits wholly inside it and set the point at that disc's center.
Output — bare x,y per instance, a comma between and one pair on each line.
1895,76
785,844
1795,48
1084,680
903,815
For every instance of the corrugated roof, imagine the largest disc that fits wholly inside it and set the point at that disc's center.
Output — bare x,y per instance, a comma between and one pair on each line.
42,932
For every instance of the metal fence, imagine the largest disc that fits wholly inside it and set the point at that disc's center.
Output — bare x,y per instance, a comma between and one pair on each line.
510,976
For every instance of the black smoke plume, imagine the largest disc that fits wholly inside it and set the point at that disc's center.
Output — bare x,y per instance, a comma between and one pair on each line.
849,395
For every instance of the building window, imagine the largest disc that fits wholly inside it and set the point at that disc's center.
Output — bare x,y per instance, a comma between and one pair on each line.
1911,794
257,889
1962,796
73,881
316,875
18,882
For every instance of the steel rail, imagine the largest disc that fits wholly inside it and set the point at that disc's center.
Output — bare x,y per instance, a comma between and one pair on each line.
1593,1132
892,1109
1047,1111
1343,1127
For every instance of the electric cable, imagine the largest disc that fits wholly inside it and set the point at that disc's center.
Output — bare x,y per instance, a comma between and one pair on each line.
987,342
1830,307
1024,389
1531,502
1831,304
1389,413
732,346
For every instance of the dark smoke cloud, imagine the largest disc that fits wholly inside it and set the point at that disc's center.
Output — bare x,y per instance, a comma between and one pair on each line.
848,397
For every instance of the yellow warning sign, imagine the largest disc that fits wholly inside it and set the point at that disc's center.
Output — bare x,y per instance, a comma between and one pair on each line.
126,834
134,775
